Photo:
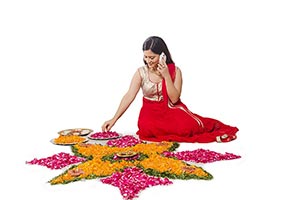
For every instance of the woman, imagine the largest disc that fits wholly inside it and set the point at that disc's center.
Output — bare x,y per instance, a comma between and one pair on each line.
163,117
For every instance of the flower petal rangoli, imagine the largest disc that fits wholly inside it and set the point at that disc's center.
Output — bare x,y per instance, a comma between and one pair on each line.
147,164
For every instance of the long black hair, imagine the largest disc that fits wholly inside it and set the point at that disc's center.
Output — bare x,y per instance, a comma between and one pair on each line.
157,45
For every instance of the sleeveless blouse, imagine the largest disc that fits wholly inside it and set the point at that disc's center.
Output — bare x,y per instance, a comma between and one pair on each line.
151,91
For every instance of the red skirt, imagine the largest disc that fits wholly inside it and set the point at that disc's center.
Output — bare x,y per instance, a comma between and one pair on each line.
161,121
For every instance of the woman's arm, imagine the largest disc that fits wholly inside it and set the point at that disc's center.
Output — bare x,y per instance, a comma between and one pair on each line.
125,102
174,89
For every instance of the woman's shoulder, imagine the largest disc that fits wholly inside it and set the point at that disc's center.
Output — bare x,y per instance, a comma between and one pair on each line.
142,70
144,67
177,73
177,68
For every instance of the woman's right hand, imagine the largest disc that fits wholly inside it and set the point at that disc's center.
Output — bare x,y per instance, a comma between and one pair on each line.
108,125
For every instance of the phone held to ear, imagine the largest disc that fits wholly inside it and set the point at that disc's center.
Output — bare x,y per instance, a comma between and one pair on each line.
162,57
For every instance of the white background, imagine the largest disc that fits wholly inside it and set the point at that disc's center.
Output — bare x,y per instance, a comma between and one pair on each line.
66,64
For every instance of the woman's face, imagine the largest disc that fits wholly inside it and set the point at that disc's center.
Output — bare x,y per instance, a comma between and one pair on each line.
152,59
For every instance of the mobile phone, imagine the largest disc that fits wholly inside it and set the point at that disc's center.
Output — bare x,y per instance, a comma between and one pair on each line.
162,57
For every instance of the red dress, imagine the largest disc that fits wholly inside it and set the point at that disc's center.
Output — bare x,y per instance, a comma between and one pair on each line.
160,120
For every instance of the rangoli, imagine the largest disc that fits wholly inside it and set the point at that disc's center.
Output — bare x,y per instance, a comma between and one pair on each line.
130,164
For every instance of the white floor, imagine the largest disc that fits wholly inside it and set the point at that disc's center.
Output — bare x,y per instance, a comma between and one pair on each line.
66,64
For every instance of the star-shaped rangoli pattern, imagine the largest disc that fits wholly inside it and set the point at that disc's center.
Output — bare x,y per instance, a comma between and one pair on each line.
102,161
130,164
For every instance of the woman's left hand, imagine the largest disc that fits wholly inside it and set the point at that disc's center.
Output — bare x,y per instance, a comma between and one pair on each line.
162,67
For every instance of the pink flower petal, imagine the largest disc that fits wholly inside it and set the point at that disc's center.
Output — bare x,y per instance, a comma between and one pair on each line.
201,155
57,161
126,141
133,180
